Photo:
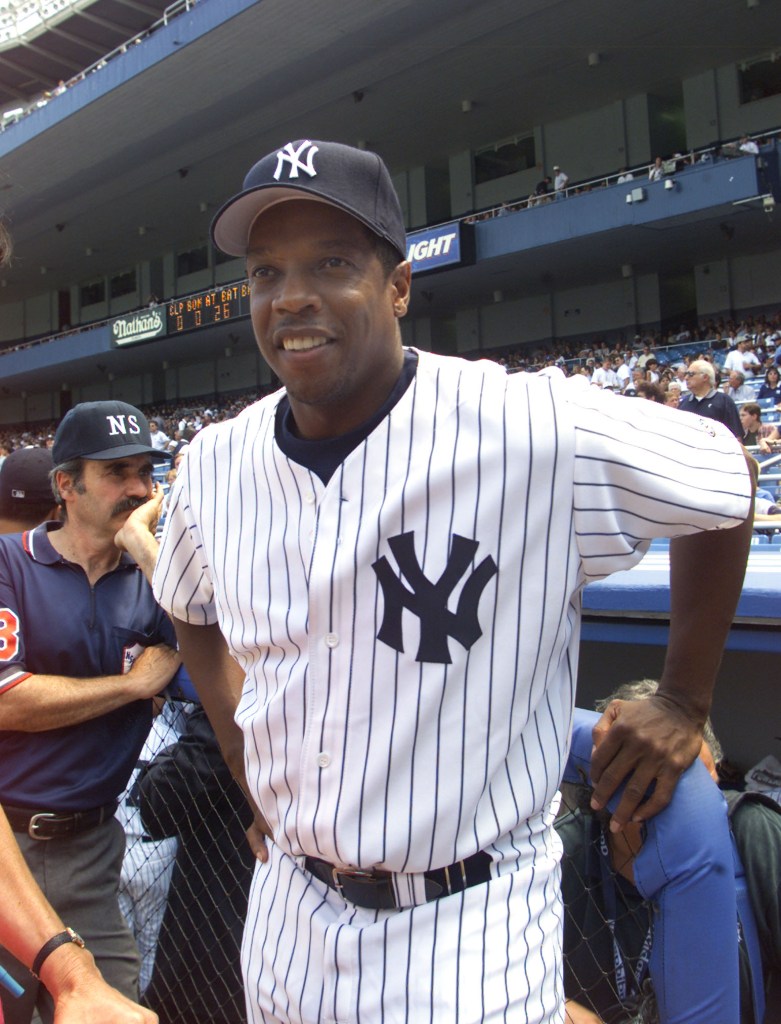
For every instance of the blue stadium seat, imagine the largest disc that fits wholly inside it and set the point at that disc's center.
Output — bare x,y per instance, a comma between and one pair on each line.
759,538
660,544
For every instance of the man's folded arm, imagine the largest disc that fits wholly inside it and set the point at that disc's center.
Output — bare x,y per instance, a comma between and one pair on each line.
37,702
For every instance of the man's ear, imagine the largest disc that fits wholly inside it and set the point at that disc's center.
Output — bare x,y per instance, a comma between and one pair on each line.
64,483
401,284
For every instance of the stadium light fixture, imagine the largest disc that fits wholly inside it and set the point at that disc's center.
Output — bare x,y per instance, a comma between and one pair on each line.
22,20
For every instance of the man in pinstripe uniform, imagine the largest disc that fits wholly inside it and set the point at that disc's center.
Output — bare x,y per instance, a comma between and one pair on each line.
377,570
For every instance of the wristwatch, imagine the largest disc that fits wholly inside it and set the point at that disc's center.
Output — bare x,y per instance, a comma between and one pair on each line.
69,935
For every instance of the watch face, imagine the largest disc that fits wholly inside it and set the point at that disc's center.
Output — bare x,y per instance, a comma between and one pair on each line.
75,937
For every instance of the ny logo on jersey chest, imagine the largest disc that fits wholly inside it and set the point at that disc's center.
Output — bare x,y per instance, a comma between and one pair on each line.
429,600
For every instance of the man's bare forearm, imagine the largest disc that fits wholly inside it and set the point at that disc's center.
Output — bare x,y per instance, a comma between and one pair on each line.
26,919
219,681
654,741
706,579
42,702
27,922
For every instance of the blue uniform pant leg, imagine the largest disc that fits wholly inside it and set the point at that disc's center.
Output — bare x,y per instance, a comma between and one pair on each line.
80,877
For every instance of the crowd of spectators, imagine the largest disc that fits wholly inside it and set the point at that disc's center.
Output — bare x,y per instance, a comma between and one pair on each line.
718,336
653,365
557,185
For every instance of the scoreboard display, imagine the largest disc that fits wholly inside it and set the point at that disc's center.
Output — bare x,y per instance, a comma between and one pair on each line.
208,308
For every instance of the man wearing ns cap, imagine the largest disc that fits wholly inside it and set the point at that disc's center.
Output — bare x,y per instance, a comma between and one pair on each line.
27,920
84,648
377,571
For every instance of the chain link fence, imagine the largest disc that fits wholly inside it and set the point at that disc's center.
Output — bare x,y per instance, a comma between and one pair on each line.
187,872
608,926
188,869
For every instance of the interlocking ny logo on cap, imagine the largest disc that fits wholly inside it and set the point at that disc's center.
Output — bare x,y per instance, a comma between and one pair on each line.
293,157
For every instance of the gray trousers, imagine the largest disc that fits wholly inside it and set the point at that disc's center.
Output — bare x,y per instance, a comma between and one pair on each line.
80,877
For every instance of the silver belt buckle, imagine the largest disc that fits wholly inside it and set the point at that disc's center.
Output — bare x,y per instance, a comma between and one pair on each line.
31,828
357,874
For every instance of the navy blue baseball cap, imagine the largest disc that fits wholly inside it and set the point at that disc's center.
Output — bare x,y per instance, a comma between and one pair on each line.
24,479
104,430
353,180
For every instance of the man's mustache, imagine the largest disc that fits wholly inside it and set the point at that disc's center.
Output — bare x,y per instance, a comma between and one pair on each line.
128,505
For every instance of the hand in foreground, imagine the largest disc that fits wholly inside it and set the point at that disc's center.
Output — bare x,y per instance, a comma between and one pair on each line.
103,1006
153,670
643,742
81,996
143,519
574,1013
137,534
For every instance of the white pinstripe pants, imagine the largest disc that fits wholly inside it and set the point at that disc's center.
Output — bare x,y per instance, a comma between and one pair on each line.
489,954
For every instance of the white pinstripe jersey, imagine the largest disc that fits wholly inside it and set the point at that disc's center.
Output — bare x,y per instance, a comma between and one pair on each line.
367,750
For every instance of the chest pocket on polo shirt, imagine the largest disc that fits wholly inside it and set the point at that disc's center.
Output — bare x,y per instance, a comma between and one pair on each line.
131,643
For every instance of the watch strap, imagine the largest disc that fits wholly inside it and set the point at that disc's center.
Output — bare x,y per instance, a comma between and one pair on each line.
69,935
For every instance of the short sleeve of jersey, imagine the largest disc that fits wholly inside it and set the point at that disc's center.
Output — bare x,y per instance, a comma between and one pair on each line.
643,470
181,581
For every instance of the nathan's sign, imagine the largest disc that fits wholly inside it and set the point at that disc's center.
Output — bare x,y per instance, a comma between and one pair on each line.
139,326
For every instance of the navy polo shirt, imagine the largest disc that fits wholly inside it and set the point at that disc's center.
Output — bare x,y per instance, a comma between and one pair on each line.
53,622
716,406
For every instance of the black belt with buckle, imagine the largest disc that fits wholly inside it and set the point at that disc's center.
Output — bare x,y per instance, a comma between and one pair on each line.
375,890
56,824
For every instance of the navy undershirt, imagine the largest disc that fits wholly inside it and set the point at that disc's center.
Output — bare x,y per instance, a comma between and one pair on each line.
323,457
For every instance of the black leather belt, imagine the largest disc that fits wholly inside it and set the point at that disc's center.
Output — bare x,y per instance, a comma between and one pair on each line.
56,824
376,890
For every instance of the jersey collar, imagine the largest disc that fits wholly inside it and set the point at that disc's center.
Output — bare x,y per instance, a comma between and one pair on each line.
38,546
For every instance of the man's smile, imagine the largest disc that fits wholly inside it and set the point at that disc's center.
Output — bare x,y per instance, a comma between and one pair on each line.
303,344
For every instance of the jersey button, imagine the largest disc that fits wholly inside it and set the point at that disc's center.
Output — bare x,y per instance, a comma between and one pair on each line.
323,760
331,640
310,499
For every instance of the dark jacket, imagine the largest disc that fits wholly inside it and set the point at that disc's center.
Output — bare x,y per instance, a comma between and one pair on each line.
187,791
